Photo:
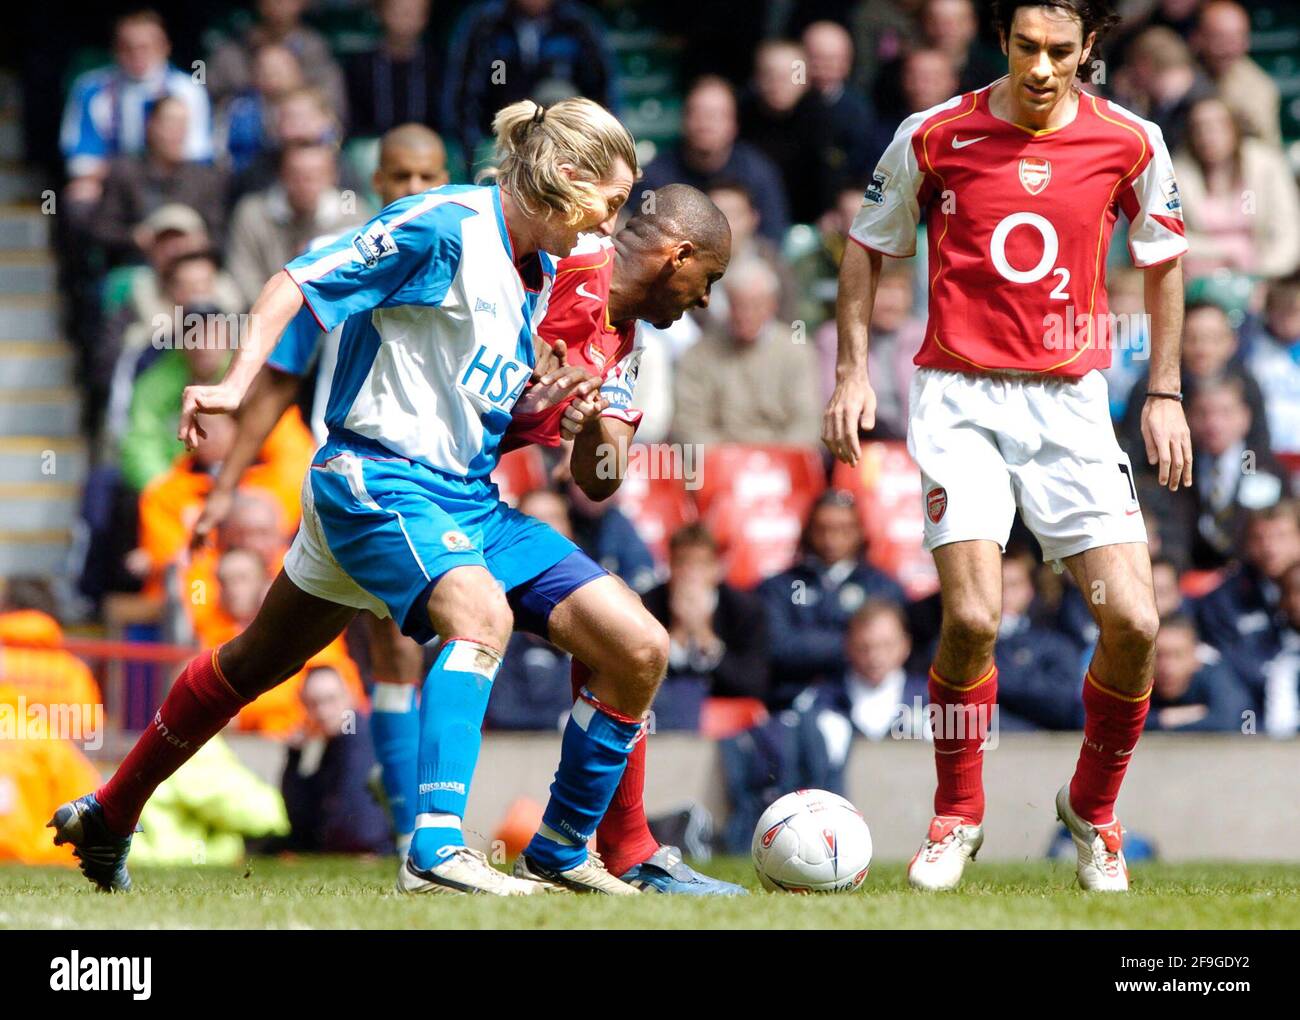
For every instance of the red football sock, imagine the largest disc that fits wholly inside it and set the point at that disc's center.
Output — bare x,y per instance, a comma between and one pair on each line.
958,757
197,707
623,835
1113,722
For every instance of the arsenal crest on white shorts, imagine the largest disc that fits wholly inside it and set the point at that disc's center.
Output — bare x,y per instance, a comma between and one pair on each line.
1035,173
936,503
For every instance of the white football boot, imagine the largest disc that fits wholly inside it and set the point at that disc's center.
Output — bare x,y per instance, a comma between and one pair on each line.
462,871
1100,847
591,876
943,855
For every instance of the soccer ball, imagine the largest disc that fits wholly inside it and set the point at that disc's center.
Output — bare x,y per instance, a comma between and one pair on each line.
812,841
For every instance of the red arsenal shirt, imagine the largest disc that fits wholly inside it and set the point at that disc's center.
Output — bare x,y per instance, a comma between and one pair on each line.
578,314
1019,223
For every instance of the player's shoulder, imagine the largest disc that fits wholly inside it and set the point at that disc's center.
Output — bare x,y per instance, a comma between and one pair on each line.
439,211
941,114
593,251
93,81
1126,124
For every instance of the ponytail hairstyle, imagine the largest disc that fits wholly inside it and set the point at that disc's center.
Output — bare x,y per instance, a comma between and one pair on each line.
532,141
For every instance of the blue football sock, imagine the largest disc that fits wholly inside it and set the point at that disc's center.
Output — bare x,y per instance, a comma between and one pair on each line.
452,705
395,729
592,759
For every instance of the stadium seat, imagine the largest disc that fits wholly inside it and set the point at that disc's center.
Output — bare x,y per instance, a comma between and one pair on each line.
758,539
887,485
1195,583
746,475
657,503
1291,463
520,471
722,718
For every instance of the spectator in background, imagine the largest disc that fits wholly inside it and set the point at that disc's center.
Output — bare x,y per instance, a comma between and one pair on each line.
1232,478
1222,41
36,775
1239,198
752,383
856,139
242,580
786,121
170,504
1274,361
604,533
279,22
107,107
301,117
327,772
1282,672
875,697
1038,668
246,120
150,444
502,51
709,151
1187,695
1167,583
532,690
33,662
896,335
397,81
1242,617
271,227
737,204
231,596
138,185
1161,82
718,640
815,273
808,607
190,280
949,28
926,79
257,524
1209,355
881,30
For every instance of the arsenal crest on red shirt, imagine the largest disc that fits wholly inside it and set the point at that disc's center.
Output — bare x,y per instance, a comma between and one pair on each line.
1035,173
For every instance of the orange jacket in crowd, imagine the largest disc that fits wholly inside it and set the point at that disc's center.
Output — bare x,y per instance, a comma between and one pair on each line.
36,776
44,674
279,713
201,594
170,505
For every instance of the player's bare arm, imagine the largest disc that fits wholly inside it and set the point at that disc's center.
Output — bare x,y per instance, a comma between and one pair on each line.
1164,425
271,394
599,459
272,312
852,406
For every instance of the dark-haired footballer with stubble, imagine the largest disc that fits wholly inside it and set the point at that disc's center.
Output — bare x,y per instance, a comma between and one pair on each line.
1019,184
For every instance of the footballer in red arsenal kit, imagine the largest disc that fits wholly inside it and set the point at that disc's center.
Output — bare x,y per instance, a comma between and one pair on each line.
660,265
1019,185
578,315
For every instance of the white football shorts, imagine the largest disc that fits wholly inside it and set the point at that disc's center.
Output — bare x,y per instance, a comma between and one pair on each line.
987,445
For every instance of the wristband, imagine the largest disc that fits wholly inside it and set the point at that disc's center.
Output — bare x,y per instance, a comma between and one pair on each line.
1165,395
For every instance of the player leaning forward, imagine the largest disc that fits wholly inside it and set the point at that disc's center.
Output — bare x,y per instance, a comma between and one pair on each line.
1019,184
439,298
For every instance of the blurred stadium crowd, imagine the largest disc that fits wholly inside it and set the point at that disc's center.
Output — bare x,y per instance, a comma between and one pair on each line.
201,149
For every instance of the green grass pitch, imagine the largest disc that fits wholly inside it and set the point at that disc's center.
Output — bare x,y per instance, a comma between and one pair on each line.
341,893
